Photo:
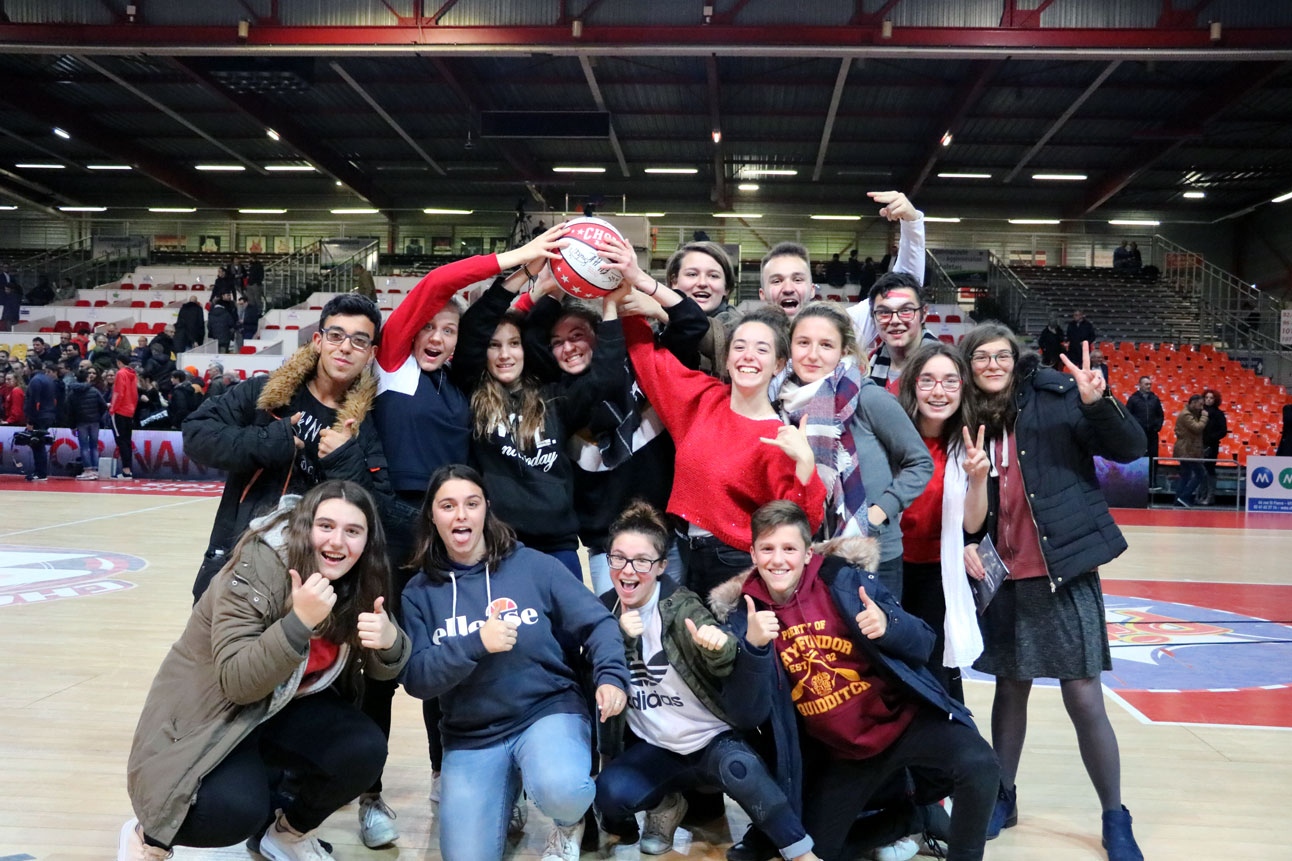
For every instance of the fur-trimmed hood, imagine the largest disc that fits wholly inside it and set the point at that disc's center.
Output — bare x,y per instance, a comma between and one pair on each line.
298,370
858,551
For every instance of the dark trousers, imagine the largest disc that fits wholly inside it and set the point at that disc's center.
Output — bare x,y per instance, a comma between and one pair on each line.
39,454
709,562
122,428
840,788
377,699
1192,476
332,750
640,777
889,573
923,598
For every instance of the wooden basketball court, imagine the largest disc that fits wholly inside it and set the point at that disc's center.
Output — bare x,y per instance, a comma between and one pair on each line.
94,587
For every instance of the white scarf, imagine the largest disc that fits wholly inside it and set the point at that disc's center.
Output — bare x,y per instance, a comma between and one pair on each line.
963,638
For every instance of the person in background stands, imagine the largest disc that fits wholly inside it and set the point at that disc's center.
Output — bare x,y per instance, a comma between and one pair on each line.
1146,408
1079,330
125,398
1189,426
41,407
363,282
1216,430
190,325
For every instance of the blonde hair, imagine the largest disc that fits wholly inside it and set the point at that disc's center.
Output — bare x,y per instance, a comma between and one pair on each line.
493,404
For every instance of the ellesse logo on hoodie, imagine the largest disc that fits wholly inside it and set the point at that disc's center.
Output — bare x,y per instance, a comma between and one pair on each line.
505,608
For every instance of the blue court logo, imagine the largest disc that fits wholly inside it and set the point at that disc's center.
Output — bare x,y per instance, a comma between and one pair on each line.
1285,479
1262,477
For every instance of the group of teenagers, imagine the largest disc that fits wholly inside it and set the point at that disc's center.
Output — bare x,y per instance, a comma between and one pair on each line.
782,507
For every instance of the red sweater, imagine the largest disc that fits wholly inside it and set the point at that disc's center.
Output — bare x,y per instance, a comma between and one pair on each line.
922,519
125,394
723,471
426,300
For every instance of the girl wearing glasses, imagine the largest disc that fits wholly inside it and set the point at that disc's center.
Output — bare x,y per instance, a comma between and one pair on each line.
868,453
689,702
1050,524
933,572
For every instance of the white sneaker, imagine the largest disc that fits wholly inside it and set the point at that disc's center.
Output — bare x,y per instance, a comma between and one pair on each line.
87,476
661,824
519,816
435,786
133,848
376,821
284,843
564,843
902,849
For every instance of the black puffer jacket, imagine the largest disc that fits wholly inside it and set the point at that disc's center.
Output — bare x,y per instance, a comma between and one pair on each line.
1057,438
85,404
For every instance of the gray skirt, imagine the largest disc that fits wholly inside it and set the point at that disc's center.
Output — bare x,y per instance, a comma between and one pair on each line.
1030,632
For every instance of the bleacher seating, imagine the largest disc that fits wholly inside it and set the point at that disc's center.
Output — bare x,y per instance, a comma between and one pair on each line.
1253,405
1122,305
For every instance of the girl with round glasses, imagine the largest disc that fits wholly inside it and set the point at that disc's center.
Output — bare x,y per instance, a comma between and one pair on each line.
694,693
1050,524
933,573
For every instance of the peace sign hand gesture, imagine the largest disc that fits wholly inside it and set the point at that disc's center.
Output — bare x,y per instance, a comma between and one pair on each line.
1091,384
976,463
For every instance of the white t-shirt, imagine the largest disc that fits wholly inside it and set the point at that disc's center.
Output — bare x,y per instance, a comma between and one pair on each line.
662,710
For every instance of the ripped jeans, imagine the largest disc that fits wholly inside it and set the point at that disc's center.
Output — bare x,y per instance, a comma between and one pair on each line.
640,777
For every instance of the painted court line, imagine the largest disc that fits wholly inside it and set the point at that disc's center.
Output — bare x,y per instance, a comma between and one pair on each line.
103,517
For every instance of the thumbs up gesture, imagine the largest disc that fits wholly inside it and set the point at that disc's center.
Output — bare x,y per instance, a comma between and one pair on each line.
312,600
709,637
496,634
376,631
763,625
631,623
872,619
330,440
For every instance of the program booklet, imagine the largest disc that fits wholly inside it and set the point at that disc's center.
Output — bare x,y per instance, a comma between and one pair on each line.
985,589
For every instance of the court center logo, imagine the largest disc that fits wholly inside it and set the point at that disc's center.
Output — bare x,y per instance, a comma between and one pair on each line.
32,575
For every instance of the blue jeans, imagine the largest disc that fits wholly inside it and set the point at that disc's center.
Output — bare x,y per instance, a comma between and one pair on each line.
640,777
87,439
552,757
1192,475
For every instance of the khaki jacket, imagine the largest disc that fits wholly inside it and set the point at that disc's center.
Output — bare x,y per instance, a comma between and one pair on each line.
1188,435
240,659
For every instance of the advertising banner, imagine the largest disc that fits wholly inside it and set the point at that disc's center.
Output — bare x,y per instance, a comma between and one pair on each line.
1269,484
156,454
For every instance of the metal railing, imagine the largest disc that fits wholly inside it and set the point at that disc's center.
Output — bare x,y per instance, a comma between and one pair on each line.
1014,302
312,270
937,283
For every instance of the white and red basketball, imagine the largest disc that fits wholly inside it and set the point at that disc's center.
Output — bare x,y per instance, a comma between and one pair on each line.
582,271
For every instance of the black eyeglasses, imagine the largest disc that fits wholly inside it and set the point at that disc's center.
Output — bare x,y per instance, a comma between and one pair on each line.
1003,359
337,335
905,314
641,566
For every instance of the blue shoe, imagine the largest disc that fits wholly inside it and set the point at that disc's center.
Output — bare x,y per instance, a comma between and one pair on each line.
1119,841
1005,814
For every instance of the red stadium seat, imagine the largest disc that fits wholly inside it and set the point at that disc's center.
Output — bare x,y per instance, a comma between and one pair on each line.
100,303
156,303
62,326
158,328
954,318
82,303
247,351
126,285
46,329
933,318
82,326
181,286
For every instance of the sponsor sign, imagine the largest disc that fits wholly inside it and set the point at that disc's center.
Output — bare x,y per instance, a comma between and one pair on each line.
1269,484
155,454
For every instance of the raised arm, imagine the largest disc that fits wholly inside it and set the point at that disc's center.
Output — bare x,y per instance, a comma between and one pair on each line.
426,300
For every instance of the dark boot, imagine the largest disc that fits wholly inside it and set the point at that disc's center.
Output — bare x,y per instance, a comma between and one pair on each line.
1119,840
1005,814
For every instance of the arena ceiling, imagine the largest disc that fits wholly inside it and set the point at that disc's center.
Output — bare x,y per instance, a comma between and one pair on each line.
669,107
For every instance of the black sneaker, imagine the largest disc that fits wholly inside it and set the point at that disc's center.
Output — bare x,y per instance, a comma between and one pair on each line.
754,846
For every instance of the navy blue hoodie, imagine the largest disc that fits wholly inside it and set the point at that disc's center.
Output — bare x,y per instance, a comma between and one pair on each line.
488,697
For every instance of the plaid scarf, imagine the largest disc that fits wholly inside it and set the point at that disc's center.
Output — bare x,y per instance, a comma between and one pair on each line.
829,405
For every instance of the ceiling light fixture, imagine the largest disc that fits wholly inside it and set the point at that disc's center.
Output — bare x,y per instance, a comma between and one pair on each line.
1282,197
737,215
942,219
273,135
82,209
434,211
946,138
576,169
64,135
291,168
1195,195
39,165
1133,222
218,168
956,175
717,136
1060,177
355,211
108,167
176,209
769,171
641,214
747,186
676,170
262,211
1033,221
835,217
7,208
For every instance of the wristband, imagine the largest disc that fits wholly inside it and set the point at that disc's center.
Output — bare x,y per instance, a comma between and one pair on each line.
654,284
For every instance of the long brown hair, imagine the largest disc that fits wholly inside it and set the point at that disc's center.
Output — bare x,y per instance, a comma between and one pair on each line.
492,403
996,411
429,552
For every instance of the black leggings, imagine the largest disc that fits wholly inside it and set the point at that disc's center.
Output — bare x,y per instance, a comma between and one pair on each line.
122,428
923,598
840,788
332,750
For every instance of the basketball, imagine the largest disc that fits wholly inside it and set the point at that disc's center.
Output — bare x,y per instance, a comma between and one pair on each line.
581,271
